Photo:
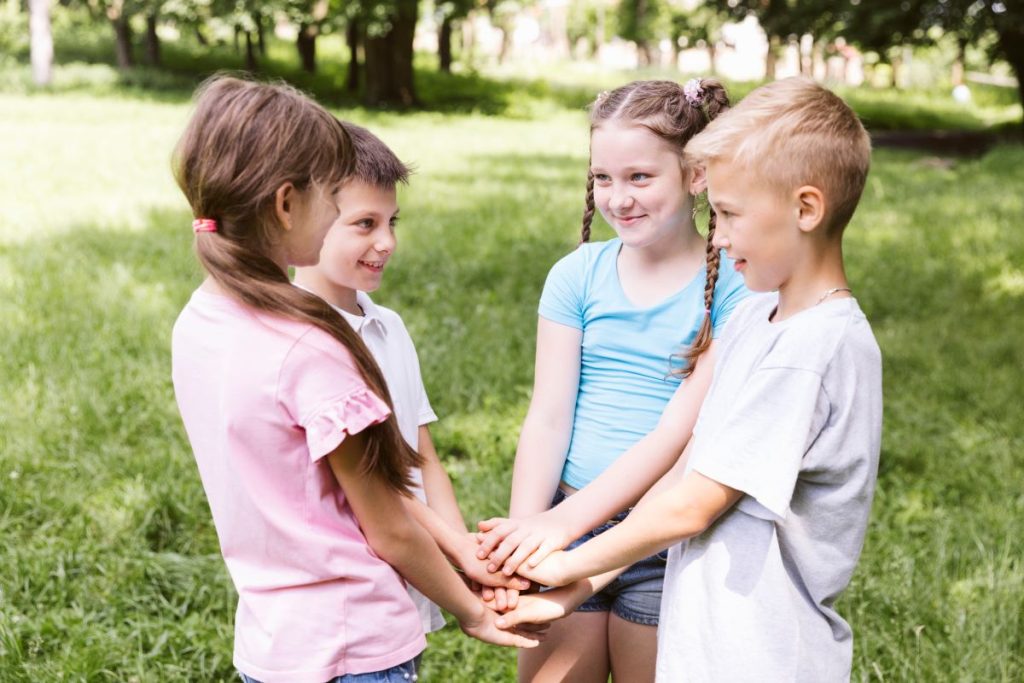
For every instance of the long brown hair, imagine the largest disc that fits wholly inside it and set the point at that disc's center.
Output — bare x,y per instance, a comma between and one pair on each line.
244,141
663,108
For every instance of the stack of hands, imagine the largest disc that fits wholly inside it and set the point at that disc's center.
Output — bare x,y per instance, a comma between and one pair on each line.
507,563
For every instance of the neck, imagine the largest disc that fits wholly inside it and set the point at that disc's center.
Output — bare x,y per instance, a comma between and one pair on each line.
810,282
679,245
334,294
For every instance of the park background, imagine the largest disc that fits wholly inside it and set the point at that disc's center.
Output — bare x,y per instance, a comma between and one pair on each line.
111,570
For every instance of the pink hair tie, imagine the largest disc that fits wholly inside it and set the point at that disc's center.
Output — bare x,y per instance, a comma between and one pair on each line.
694,93
204,225
707,311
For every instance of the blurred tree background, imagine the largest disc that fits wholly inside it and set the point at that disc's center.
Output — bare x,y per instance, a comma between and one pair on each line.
112,570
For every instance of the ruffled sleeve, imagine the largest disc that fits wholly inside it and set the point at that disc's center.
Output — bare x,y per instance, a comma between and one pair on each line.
327,427
323,393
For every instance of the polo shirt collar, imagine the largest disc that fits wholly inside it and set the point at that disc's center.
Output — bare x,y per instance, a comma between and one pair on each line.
371,312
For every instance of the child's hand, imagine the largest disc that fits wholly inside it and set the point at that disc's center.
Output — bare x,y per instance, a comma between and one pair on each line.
526,635
552,571
476,569
510,542
543,608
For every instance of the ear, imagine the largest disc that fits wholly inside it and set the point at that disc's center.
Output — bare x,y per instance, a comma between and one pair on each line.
284,204
810,204
698,180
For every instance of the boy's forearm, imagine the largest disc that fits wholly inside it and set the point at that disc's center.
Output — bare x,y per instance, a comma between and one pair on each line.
632,474
674,514
451,542
437,485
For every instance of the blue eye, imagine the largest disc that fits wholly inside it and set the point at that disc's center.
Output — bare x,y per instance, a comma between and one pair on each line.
639,177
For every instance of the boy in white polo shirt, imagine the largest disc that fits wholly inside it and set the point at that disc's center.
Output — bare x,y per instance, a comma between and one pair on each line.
352,261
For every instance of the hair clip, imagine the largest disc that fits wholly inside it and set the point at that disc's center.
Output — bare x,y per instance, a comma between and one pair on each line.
693,92
204,225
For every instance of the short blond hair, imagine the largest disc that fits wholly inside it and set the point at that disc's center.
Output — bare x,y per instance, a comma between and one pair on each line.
791,133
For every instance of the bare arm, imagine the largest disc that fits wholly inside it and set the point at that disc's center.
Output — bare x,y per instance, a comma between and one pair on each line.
544,440
680,510
407,547
618,487
437,485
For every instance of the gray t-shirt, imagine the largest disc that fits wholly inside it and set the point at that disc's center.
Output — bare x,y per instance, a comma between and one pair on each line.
793,419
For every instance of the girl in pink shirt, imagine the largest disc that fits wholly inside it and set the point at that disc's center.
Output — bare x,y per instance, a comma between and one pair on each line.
289,416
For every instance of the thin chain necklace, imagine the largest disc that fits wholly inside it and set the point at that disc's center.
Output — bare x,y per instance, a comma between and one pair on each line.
832,291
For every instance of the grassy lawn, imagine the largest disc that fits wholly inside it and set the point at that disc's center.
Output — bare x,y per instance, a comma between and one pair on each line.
112,571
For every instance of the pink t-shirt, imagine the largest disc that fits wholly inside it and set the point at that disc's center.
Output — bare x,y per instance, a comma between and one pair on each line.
264,400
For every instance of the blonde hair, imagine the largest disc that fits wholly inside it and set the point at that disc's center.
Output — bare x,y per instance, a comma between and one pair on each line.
666,109
791,133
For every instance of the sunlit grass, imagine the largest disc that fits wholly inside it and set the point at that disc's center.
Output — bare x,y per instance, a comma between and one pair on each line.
112,571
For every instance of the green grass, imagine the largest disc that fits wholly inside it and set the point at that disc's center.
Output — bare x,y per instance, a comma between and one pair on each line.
111,567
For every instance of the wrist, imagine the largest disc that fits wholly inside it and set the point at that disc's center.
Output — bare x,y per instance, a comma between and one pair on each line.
472,614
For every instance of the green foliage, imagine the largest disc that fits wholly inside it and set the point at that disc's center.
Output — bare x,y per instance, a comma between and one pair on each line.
112,571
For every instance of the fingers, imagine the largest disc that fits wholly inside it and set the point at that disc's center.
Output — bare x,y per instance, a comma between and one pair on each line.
501,599
496,529
540,553
526,548
505,549
487,593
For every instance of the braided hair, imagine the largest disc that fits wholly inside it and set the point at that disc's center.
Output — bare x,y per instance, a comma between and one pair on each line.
674,113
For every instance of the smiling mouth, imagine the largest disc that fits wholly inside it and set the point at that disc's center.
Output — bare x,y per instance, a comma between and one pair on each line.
375,266
629,219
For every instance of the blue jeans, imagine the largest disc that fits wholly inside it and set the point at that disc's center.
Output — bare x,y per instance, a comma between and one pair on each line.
635,595
403,673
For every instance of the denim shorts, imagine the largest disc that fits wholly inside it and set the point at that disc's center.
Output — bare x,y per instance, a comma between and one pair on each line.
635,595
403,673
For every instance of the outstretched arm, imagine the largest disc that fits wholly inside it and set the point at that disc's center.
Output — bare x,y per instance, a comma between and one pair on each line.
406,546
511,542
676,512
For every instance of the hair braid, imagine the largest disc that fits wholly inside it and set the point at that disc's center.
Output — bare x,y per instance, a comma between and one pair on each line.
588,212
704,335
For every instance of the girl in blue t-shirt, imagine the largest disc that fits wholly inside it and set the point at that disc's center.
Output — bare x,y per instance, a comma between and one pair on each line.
622,325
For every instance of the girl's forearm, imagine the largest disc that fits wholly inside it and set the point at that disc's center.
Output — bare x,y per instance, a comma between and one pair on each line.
419,560
540,457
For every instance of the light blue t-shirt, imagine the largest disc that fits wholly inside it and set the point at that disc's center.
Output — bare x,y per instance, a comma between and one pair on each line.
628,352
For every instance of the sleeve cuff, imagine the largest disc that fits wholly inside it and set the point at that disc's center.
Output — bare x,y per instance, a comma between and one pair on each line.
329,426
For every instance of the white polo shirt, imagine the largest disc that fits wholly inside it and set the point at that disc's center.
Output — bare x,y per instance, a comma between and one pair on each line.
388,340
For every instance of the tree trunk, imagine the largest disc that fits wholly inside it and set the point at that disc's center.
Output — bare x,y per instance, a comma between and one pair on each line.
200,37
238,38
444,45
389,72
769,58
712,56
42,42
123,42
152,41
250,52
352,33
1011,44
261,39
305,42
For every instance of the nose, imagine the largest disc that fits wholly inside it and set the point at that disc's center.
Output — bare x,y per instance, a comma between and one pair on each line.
621,198
720,239
385,242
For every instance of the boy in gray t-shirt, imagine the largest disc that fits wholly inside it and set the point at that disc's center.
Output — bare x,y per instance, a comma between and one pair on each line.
767,509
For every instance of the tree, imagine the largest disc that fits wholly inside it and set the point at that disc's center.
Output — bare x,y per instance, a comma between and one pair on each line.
311,18
41,48
701,24
390,28
447,14
641,22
